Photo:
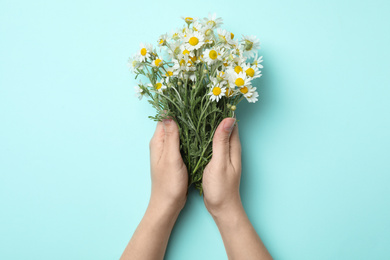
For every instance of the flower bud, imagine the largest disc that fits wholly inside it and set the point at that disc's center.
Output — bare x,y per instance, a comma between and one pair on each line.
205,71
179,83
193,86
233,108
229,105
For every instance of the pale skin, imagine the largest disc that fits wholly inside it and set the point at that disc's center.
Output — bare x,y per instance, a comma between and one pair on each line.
221,183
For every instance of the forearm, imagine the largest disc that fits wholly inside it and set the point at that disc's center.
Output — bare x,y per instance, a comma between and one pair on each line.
239,237
151,237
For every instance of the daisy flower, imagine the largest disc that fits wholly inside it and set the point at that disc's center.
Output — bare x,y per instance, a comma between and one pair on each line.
212,56
257,61
252,71
174,49
208,32
159,86
144,52
213,20
188,20
253,97
182,64
251,44
134,64
139,92
225,37
217,90
240,80
230,92
247,91
158,62
193,41
168,75
162,41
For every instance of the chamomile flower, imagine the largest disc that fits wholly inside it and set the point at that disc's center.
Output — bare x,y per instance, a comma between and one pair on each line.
253,97
188,20
250,44
238,80
217,90
193,41
196,26
162,40
182,64
252,71
257,61
174,49
225,37
185,51
221,76
134,64
230,92
208,32
159,86
144,52
213,20
168,75
247,91
212,56
158,62
139,92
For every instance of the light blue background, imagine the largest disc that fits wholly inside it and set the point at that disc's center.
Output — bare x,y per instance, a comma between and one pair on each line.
74,165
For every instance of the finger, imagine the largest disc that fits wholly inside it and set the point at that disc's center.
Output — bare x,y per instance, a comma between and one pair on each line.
235,148
221,147
171,138
156,144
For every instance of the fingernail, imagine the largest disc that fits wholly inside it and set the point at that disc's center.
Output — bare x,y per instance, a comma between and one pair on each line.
167,121
229,124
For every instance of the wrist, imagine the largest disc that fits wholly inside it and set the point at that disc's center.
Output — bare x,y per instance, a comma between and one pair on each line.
166,206
231,207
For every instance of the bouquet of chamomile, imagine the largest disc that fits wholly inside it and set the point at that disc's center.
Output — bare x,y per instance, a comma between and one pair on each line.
198,77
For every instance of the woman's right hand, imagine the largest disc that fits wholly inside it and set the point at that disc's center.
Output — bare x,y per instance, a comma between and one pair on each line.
221,177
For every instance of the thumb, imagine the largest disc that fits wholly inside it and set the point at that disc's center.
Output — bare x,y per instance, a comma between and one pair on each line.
171,138
221,139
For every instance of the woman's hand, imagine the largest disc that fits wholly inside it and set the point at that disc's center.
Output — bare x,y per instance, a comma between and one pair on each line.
221,177
169,194
168,171
221,186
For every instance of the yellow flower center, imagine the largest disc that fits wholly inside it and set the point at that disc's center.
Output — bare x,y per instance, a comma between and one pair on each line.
232,35
244,90
213,54
211,22
193,58
229,92
248,45
237,69
169,73
157,62
182,63
143,51
161,41
189,19
158,85
239,82
225,64
216,91
186,52
193,41
250,72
